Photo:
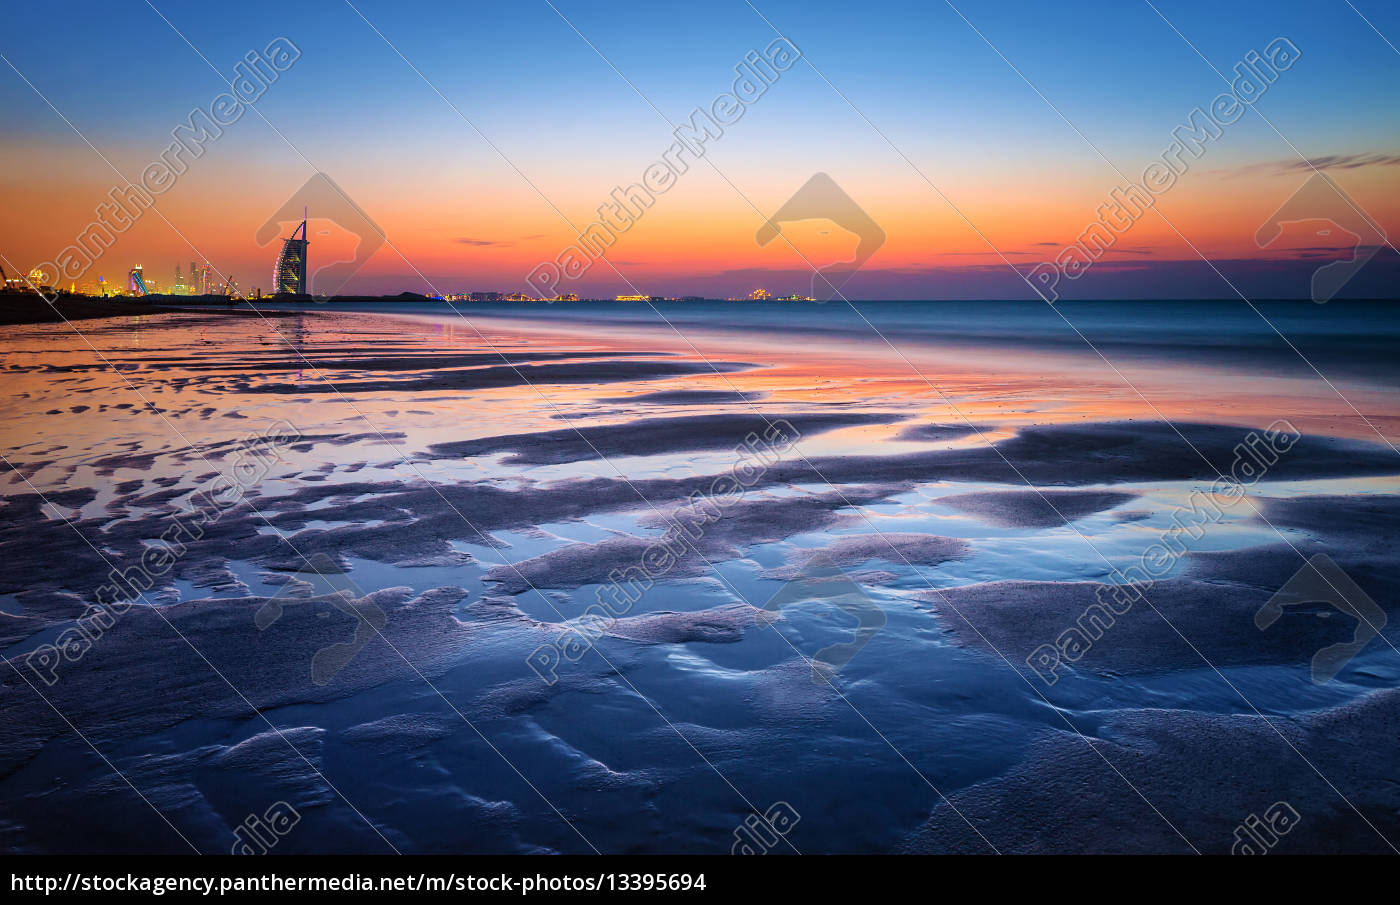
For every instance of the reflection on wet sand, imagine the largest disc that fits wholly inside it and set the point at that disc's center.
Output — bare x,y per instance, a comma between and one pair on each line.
572,529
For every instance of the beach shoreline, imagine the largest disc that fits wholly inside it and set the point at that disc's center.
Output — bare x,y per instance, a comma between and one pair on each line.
22,309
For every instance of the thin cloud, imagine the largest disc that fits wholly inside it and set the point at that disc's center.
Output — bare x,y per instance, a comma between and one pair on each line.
1308,165
1115,250
975,254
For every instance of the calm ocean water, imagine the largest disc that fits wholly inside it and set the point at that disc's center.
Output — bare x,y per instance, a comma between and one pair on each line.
1358,337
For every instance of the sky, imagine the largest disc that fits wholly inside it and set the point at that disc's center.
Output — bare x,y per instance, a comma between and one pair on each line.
481,138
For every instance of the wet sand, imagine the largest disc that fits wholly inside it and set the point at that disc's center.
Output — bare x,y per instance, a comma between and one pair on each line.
384,513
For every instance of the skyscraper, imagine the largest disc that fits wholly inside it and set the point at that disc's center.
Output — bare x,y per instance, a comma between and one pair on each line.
136,281
290,275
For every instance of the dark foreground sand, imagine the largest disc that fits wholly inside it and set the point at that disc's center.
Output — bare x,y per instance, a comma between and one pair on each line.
461,517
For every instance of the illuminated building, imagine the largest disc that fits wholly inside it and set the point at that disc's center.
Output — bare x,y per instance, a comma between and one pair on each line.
9,283
289,278
136,281
759,295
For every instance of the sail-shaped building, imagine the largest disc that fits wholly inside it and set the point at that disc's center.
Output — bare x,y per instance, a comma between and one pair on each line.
290,276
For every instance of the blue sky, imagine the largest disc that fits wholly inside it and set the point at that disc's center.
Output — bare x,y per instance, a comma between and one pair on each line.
556,109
